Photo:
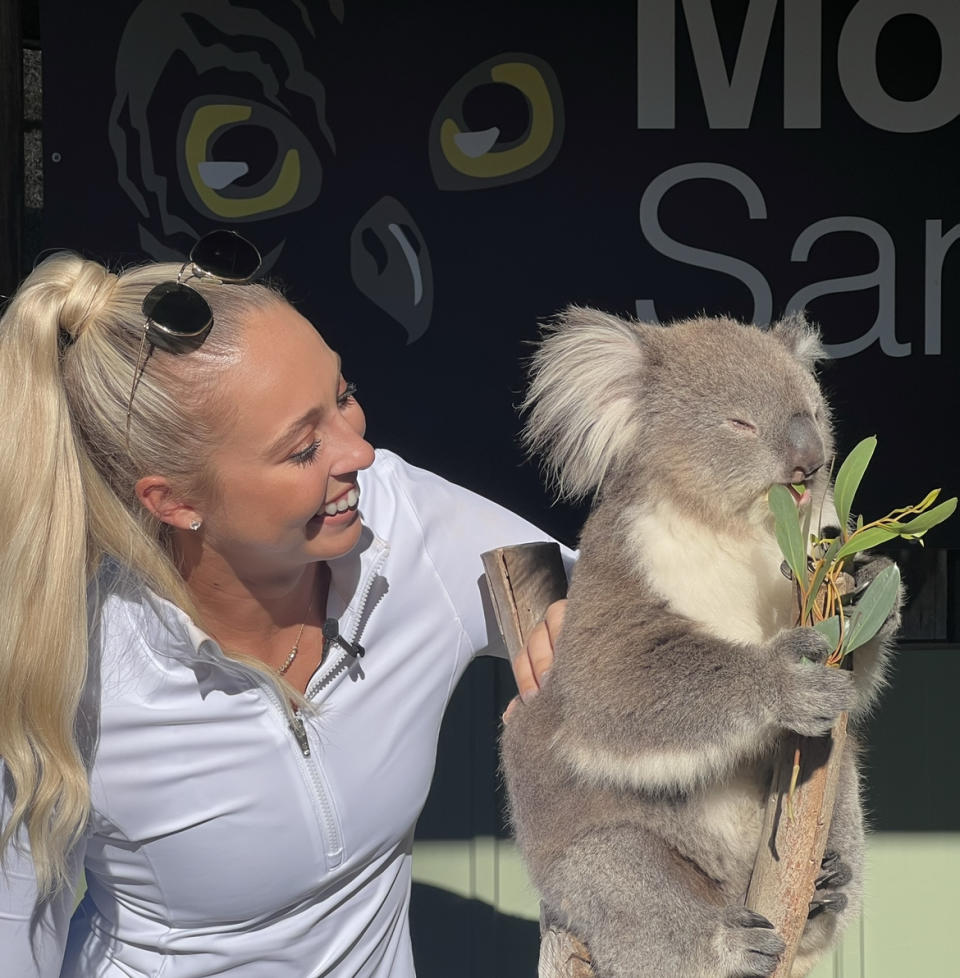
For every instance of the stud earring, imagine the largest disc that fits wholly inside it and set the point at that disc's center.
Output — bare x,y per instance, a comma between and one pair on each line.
195,525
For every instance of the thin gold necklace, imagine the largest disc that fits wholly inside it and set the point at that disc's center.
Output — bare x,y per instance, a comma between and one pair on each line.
292,654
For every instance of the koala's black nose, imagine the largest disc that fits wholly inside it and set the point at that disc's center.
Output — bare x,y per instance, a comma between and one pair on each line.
804,447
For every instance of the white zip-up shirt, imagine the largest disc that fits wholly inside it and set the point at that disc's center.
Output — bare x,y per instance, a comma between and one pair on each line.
219,842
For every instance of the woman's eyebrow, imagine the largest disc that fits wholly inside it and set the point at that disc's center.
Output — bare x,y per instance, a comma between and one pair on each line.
314,414
311,416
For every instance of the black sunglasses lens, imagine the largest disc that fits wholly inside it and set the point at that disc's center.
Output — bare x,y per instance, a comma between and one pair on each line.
177,309
226,255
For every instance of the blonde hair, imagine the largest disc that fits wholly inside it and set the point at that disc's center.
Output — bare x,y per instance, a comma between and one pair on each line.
69,344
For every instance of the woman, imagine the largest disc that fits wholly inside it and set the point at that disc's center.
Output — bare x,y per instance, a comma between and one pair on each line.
231,631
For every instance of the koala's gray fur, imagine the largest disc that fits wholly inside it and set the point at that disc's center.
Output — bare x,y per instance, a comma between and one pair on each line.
637,777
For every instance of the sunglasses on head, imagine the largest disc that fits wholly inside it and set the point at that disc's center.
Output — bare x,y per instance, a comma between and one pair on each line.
177,318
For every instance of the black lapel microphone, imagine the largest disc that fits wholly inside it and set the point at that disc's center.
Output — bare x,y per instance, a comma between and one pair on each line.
332,636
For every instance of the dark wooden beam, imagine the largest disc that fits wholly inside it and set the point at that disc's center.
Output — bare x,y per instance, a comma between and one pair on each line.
11,143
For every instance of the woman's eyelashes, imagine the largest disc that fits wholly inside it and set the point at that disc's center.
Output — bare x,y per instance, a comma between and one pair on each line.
307,455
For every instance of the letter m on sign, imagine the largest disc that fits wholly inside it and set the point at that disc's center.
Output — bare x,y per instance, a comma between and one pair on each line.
728,97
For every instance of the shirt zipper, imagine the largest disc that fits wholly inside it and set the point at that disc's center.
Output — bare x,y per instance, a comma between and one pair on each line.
298,729
335,664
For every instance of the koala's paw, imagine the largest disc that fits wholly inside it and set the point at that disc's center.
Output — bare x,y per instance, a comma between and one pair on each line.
829,896
802,645
812,695
865,569
750,946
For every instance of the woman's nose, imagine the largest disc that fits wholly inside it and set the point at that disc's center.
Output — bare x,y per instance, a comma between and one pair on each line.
354,451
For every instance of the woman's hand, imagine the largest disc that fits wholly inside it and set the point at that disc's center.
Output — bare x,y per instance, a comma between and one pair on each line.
532,665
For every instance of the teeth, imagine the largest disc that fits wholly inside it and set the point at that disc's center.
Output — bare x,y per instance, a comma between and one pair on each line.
343,503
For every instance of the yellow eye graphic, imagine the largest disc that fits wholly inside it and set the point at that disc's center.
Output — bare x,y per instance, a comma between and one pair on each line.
468,156
287,181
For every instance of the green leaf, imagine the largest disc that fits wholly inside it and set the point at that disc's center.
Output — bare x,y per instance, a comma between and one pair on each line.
927,500
830,629
848,478
805,529
872,536
873,608
928,519
787,525
821,573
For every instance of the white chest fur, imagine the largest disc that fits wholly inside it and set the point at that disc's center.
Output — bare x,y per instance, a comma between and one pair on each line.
732,586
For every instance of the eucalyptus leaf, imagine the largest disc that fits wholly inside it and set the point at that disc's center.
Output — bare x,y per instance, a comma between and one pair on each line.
805,528
849,477
928,500
787,527
872,536
829,628
926,520
873,608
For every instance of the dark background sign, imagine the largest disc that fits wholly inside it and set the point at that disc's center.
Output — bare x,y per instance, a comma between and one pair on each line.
432,178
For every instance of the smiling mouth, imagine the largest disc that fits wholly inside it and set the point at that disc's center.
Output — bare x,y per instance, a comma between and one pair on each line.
347,501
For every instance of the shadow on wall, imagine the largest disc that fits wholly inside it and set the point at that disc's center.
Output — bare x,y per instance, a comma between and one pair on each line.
453,935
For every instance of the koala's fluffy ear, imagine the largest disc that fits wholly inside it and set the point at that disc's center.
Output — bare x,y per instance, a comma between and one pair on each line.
801,338
582,404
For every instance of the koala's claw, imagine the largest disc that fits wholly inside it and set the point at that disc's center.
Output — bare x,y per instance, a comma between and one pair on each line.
832,879
753,919
832,863
835,904
754,946
834,874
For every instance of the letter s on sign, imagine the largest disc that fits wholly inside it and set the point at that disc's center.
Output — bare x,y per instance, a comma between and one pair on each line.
751,277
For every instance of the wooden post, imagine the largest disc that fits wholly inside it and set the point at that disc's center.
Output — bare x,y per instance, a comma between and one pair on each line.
11,144
794,836
525,579
793,841
561,954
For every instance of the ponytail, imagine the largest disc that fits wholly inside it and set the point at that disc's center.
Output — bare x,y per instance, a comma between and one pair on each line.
70,343
43,570
69,347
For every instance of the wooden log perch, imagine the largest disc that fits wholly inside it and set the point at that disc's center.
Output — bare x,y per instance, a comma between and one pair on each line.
523,581
561,954
792,844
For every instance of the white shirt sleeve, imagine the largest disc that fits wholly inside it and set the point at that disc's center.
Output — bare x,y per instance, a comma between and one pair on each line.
457,526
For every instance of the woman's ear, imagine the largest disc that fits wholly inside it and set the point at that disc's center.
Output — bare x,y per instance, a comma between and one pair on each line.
158,498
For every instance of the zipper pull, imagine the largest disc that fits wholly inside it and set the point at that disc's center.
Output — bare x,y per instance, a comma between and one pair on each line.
300,734
332,636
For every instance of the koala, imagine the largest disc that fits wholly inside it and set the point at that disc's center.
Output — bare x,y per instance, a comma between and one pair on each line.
637,778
